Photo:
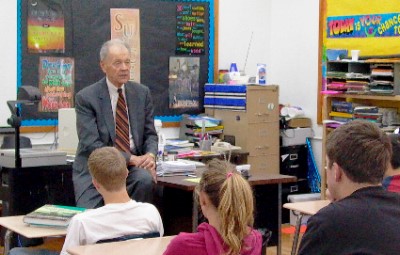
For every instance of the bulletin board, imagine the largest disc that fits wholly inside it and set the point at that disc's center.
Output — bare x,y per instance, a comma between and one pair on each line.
87,27
373,27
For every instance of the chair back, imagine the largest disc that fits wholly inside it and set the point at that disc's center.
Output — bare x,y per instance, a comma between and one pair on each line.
129,237
266,236
9,142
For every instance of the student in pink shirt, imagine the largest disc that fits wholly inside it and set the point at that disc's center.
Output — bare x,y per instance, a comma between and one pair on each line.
226,200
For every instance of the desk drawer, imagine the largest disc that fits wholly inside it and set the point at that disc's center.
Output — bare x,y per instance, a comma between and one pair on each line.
262,104
264,164
262,139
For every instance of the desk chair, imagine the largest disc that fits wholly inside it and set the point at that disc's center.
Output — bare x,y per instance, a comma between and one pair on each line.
129,237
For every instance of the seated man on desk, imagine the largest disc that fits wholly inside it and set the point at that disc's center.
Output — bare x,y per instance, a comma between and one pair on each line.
115,112
120,216
364,217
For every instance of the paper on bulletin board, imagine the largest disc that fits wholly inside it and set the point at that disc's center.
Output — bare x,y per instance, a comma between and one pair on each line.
56,83
125,25
372,28
45,27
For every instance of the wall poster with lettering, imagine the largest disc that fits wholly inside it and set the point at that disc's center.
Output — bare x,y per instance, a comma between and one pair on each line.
125,25
56,83
184,82
190,31
45,26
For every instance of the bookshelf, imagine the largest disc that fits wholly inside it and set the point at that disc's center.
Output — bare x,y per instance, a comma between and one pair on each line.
370,100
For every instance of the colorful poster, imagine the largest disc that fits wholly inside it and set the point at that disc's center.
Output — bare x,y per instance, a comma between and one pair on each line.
56,83
45,27
190,29
369,25
184,82
125,25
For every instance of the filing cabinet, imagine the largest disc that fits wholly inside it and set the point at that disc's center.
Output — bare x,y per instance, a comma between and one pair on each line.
256,129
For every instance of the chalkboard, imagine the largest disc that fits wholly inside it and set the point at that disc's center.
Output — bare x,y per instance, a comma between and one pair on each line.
87,26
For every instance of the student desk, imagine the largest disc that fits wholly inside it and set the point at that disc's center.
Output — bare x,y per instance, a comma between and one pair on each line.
304,208
179,207
15,224
149,246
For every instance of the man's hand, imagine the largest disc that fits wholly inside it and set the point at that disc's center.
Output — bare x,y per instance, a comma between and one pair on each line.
147,162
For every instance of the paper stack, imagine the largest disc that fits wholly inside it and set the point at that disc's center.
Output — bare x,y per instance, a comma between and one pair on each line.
171,168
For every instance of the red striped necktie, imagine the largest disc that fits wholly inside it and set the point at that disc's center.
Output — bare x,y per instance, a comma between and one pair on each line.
121,124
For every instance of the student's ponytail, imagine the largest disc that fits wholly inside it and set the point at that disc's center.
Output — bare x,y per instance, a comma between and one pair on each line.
232,195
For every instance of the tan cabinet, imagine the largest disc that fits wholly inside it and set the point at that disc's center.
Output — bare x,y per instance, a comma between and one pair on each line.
256,129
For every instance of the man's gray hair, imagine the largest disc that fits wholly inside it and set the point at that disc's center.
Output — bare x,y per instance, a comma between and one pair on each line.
105,48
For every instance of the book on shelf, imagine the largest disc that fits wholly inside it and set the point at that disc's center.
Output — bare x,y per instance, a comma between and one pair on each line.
341,114
52,215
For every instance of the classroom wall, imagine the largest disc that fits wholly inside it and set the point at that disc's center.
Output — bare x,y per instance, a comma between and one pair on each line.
283,34
8,61
285,37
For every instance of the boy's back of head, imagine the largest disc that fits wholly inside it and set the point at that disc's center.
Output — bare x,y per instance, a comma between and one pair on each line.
108,167
361,149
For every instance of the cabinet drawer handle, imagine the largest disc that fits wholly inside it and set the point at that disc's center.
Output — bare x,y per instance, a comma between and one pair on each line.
261,114
262,147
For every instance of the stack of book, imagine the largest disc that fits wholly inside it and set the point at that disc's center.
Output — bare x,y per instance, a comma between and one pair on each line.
58,216
370,113
342,111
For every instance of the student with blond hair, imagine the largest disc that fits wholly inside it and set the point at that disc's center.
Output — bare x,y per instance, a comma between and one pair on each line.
226,200
119,217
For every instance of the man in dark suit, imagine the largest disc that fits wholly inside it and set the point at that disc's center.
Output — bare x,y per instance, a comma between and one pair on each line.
96,107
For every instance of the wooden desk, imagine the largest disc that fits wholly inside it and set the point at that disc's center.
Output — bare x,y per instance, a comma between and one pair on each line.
150,246
175,184
304,208
15,224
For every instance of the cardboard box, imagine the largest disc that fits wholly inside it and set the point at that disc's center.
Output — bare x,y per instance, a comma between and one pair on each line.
299,123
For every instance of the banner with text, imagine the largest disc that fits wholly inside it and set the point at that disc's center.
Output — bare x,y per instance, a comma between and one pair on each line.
125,25
369,25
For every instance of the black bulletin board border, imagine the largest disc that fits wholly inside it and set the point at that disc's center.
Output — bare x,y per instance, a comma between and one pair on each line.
29,75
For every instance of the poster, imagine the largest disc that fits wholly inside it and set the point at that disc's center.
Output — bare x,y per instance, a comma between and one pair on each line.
56,83
125,25
190,24
45,27
184,82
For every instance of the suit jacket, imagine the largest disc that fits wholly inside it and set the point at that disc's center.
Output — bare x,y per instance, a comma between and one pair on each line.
96,125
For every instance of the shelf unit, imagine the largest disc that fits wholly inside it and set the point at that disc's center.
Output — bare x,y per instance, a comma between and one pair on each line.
371,76
380,101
